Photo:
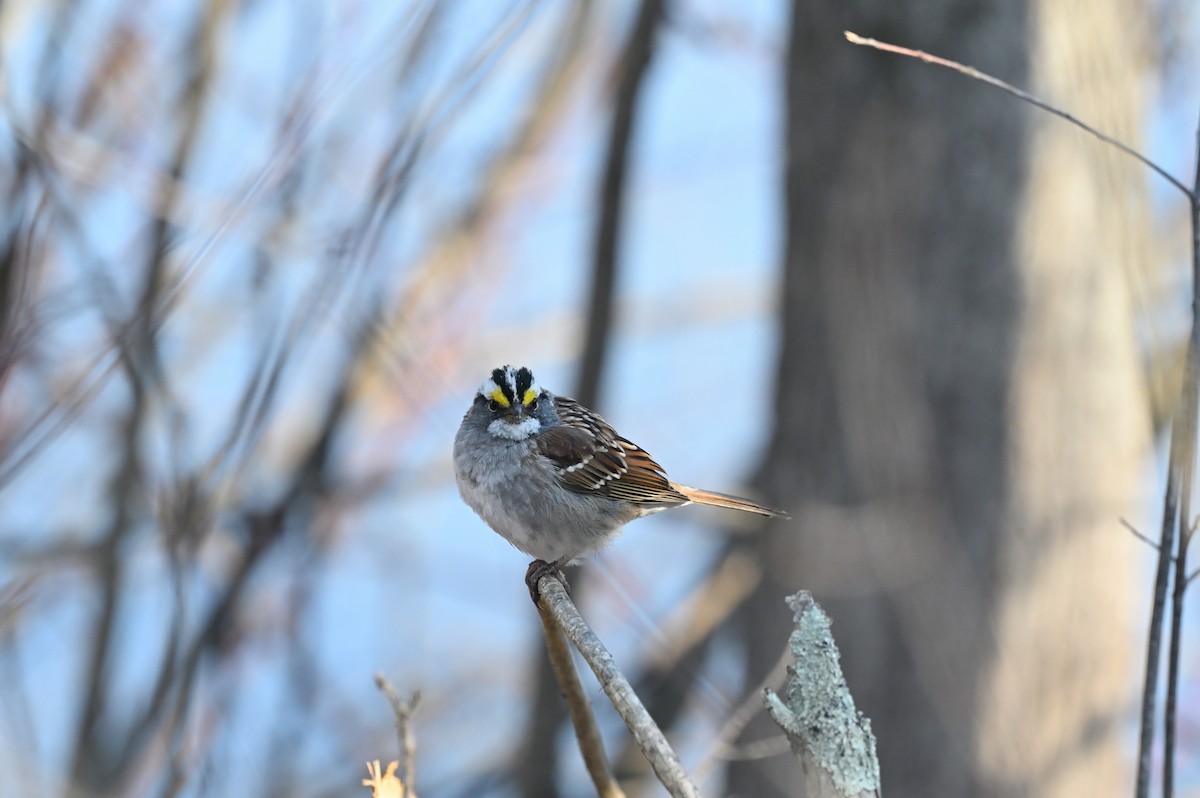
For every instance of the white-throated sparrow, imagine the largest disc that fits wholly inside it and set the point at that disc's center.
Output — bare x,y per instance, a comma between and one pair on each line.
553,478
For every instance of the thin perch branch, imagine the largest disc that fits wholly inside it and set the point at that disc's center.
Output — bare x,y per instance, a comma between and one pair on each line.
645,731
586,732
832,738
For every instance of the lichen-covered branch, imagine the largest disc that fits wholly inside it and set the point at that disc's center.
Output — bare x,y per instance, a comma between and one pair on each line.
817,713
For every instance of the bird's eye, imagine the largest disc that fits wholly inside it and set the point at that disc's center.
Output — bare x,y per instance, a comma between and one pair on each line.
533,405
493,405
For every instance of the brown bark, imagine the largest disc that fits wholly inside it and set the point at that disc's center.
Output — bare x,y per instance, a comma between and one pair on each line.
959,417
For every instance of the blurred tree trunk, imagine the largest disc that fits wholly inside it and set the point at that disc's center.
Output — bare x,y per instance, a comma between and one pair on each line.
960,420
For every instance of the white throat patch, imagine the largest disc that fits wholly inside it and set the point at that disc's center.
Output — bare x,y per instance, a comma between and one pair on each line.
514,432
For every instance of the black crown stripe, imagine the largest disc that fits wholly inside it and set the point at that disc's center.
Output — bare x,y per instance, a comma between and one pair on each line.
524,381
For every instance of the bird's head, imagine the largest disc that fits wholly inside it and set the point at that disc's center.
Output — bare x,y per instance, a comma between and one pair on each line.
513,399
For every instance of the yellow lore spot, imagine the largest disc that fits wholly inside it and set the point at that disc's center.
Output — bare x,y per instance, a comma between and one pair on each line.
529,396
499,398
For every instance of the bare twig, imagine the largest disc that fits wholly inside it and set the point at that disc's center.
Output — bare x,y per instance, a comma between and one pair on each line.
586,731
831,737
645,731
972,72
402,709
1139,535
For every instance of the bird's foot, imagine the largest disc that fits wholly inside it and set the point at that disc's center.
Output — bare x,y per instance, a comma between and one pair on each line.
539,568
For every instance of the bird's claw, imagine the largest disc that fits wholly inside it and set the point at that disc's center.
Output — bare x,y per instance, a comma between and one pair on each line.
539,568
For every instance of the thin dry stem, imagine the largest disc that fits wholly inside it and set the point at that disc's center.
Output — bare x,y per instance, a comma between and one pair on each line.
403,710
972,72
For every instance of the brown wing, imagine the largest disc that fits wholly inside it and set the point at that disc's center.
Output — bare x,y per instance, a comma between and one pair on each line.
592,458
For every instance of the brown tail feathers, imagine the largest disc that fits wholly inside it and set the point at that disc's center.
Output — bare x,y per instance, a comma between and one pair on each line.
698,496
